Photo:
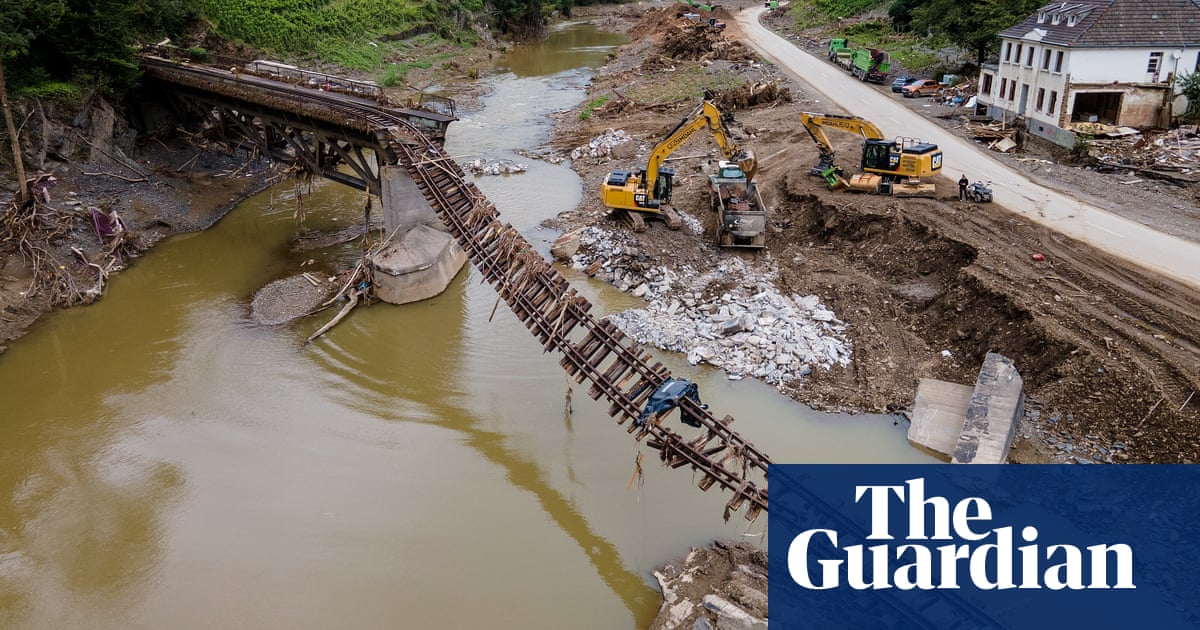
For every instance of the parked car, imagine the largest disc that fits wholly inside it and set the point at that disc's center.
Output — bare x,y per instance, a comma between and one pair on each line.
921,87
899,83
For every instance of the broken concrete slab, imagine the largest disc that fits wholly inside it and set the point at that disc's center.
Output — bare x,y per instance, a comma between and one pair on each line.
937,416
997,406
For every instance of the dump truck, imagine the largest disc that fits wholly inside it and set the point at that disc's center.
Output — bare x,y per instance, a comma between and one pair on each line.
839,51
741,215
869,64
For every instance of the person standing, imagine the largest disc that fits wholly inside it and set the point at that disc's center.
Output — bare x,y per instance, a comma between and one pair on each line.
962,187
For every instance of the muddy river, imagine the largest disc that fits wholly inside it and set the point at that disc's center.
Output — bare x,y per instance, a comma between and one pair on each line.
167,463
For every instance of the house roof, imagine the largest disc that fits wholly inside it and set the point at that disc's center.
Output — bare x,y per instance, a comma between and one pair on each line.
1113,24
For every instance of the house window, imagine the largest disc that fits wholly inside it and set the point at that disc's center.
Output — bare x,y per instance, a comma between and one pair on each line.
1008,51
1003,86
1055,18
986,84
1041,17
1072,19
1029,57
1041,98
1053,102
1058,57
1012,91
1154,64
1046,59
1017,57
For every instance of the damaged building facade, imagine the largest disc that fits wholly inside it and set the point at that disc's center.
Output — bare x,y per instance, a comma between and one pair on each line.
1089,62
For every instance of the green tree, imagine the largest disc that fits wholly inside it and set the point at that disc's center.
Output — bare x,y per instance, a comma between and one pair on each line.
972,25
20,22
1189,86
901,13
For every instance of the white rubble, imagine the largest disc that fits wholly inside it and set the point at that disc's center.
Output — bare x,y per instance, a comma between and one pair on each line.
748,329
480,166
602,145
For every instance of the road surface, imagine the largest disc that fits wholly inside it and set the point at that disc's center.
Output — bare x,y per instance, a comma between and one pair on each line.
1127,239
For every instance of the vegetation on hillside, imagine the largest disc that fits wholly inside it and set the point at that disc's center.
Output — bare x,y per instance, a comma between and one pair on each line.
911,30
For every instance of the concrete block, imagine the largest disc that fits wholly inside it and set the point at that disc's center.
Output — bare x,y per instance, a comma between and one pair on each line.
404,207
417,266
937,417
996,408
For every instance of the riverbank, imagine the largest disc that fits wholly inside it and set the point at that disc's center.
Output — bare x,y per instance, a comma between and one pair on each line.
60,258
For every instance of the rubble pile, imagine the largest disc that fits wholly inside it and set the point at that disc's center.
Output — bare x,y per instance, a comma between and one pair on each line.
602,145
1174,150
480,166
723,585
732,318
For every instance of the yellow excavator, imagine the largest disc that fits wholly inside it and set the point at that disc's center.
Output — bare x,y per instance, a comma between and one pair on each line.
648,191
891,167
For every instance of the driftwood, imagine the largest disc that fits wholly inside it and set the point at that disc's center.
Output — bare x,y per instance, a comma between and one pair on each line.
354,296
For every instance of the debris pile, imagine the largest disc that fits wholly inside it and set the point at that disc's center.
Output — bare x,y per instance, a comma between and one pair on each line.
687,40
1175,150
720,586
749,95
732,318
602,145
997,136
480,166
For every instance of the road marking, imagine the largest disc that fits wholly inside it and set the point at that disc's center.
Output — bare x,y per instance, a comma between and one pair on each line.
1117,234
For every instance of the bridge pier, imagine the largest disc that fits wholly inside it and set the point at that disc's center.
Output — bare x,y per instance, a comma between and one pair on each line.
422,257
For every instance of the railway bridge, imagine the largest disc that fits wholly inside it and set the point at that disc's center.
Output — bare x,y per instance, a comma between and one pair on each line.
422,186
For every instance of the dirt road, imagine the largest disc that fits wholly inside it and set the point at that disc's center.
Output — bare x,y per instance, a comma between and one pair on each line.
1127,239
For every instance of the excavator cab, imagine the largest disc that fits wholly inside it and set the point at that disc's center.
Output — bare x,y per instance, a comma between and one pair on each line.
880,154
664,185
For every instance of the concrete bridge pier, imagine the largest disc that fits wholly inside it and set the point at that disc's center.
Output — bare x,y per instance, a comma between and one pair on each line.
422,257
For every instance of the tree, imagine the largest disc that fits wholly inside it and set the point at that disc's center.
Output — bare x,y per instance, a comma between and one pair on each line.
972,25
20,21
1189,86
901,13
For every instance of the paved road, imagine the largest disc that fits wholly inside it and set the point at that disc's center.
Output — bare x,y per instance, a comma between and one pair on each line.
1132,241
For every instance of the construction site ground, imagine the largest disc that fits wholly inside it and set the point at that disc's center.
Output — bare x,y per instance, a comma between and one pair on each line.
1110,353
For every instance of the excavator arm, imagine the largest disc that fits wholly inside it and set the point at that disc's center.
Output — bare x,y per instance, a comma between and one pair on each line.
646,191
815,125
706,115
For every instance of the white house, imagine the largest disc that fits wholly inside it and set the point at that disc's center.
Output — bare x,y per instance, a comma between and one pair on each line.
1108,61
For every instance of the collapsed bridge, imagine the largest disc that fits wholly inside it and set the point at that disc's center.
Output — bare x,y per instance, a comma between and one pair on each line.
318,129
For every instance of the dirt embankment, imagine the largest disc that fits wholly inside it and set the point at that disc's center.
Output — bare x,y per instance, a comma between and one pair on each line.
1109,352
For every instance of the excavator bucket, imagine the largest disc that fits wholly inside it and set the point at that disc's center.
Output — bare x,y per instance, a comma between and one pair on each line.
747,162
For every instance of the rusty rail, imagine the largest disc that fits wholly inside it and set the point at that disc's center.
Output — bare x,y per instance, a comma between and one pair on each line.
619,369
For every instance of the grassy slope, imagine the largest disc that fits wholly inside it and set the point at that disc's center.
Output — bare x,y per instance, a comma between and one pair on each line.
357,34
866,23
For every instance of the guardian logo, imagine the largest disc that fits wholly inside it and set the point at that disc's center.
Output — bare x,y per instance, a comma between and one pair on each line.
962,546
985,557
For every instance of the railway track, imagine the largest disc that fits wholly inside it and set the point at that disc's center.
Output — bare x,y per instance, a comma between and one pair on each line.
618,369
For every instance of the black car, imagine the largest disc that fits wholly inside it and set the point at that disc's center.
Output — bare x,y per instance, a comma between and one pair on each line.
900,82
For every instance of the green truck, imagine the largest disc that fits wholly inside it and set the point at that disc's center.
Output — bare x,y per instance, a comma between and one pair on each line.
839,51
869,64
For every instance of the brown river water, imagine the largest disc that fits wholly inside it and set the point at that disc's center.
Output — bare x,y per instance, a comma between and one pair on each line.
167,463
